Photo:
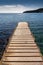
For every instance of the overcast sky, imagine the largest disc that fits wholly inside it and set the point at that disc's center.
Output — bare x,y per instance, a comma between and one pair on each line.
18,6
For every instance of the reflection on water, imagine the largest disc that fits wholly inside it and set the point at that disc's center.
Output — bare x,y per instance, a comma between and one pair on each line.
8,23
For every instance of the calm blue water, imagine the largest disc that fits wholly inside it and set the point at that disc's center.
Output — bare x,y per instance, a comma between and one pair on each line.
8,23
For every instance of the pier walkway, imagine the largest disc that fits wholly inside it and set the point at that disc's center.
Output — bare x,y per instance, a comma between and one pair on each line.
22,49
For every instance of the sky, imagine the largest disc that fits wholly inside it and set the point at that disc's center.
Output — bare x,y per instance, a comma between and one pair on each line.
18,6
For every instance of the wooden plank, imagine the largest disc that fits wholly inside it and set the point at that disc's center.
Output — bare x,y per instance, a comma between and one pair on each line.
22,54
22,63
22,45
22,37
22,42
23,50
22,59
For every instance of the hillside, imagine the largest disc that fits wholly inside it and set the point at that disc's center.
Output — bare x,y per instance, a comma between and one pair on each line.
40,10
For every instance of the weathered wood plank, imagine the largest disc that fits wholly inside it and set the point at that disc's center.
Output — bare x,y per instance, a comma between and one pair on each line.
22,54
22,59
22,63
24,47
22,42
30,50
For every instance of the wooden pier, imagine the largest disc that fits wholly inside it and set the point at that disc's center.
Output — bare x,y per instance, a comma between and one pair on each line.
22,49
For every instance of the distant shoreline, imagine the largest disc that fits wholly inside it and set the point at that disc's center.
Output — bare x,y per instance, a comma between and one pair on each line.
40,10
